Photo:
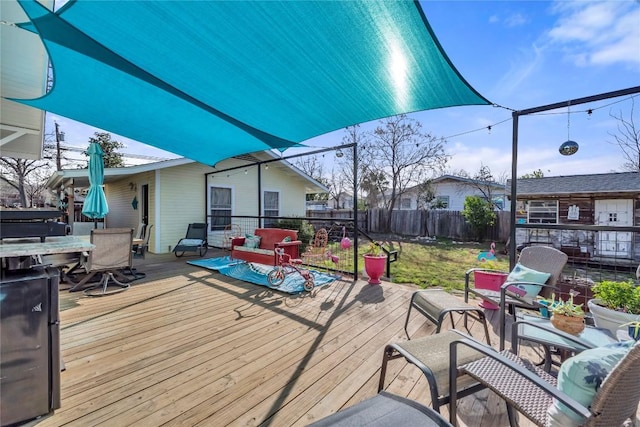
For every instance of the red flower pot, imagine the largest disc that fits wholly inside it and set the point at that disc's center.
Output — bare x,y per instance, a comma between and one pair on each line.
374,266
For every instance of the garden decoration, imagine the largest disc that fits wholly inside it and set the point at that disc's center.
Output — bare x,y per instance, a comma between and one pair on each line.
488,255
345,243
334,258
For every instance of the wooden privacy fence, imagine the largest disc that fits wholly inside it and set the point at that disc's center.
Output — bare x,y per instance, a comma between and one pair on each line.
439,223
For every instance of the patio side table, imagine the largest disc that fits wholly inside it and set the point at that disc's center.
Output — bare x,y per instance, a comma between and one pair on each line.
590,337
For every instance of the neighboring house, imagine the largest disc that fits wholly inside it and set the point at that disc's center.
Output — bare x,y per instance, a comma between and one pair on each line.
611,199
173,193
344,200
450,192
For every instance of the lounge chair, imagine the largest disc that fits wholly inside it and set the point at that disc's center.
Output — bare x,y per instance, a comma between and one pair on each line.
194,241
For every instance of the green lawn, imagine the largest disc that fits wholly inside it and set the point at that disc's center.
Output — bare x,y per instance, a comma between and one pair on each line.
442,263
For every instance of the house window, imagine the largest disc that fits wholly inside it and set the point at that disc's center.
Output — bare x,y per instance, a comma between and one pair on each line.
442,202
543,212
271,207
220,207
405,203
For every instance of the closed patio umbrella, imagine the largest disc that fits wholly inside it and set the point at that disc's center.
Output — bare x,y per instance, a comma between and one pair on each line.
95,204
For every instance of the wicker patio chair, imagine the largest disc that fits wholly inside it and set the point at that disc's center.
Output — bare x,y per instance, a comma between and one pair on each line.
230,231
541,258
383,410
530,390
111,254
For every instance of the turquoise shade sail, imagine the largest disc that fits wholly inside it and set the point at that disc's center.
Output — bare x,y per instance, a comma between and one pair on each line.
213,79
95,204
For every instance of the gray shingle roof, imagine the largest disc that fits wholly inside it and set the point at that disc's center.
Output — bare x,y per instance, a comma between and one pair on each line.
575,184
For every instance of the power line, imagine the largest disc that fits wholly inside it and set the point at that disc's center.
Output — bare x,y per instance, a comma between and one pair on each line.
127,155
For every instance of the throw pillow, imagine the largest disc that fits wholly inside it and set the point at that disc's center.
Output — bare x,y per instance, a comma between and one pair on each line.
580,377
287,239
251,241
520,273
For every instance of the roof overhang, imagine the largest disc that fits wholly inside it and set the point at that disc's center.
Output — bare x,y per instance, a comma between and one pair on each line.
23,74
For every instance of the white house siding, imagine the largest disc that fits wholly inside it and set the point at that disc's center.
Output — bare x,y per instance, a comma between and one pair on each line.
120,196
182,201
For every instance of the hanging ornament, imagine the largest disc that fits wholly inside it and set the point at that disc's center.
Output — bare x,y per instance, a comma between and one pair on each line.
568,147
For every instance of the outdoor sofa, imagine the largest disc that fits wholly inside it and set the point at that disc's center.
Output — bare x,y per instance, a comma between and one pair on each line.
260,246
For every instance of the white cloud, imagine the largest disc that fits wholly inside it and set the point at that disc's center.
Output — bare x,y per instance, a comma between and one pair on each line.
601,33
515,20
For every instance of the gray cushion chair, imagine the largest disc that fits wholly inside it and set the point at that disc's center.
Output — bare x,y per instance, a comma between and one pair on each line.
540,258
112,254
384,410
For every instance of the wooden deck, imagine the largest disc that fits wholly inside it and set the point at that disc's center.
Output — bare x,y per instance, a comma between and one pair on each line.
186,346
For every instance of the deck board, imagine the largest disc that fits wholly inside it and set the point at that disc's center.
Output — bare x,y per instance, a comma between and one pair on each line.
186,346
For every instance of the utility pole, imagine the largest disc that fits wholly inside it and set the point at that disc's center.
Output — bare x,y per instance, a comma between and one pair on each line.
59,137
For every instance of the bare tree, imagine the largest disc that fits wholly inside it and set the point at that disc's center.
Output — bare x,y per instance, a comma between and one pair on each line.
353,135
628,139
485,183
16,174
313,166
405,155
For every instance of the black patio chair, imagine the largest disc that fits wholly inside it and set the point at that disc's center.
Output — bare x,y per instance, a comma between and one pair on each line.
194,241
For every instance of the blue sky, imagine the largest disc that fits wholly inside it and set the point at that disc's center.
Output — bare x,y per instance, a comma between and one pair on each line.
518,54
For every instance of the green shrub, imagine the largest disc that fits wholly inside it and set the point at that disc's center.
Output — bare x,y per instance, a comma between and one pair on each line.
479,214
621,296
305,230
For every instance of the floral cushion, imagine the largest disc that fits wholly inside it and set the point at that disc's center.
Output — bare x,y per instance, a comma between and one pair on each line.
580,377
520,273
251,241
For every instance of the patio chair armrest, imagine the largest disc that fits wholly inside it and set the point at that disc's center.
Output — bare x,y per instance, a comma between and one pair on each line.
291,243
548,329
562,397
471,270
468,273
237,241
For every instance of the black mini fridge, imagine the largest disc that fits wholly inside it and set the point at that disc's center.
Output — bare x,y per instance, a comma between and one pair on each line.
29,344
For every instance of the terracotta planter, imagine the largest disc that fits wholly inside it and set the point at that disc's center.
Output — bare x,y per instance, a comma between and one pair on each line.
569,324
375,266
490,280
609,319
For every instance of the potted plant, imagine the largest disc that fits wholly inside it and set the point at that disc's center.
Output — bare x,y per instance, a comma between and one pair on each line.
567,316
375,262
615,303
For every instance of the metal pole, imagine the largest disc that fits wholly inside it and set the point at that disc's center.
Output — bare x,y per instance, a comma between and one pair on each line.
355,212
514,191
